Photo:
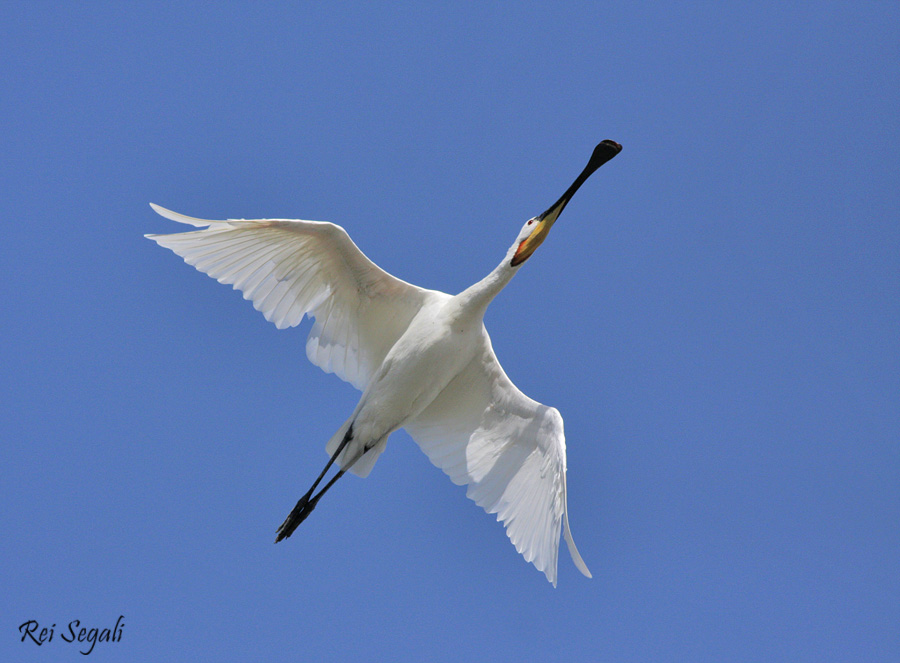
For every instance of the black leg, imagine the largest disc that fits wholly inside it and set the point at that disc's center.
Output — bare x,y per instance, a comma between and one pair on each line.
308,502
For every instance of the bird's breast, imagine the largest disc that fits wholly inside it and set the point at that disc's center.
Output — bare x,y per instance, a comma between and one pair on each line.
420,365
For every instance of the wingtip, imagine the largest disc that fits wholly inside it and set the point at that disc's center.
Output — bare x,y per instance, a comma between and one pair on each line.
162,211
573,551
180,218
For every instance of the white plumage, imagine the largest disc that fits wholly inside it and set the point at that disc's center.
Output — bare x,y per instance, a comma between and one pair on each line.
422,359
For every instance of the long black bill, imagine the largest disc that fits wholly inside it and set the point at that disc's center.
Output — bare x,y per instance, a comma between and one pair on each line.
602,153
605,151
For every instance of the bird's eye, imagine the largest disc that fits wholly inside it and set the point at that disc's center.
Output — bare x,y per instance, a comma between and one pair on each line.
530,221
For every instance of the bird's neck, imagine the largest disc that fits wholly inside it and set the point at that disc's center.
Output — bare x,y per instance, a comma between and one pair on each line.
476,298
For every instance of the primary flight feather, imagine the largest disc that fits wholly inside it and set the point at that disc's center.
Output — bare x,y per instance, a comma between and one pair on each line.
422,359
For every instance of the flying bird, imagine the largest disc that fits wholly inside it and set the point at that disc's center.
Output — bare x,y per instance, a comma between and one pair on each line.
422,359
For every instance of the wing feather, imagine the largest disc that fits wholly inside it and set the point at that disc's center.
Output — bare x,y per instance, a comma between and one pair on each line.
511,452
289,269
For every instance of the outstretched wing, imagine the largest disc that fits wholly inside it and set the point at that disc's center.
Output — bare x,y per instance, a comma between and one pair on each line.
510,450
290,268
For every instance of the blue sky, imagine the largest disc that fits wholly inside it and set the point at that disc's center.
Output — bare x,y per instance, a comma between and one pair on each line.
715,315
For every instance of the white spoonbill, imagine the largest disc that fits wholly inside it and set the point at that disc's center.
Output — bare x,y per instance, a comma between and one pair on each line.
422,359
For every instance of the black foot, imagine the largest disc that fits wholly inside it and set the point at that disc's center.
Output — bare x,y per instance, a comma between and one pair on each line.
307,503
297,515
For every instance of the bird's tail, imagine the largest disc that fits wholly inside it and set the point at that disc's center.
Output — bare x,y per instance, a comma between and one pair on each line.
364,464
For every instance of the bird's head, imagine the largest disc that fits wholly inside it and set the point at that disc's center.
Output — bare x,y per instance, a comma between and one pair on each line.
535,230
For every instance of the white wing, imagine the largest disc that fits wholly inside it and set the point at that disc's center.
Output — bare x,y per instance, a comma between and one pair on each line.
510,450
291,268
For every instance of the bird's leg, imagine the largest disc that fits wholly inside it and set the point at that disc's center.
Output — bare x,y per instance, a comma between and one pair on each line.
308,502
